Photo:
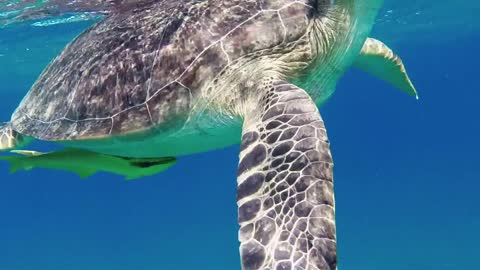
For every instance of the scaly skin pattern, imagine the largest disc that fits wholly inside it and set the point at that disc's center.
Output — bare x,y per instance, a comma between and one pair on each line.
285,184
154,67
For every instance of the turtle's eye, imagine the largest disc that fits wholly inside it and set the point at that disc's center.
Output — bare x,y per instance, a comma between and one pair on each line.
322,6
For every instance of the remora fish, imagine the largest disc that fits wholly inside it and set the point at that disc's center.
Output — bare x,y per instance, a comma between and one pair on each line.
86,163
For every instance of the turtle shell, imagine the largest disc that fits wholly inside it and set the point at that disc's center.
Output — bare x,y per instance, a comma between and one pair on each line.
144,68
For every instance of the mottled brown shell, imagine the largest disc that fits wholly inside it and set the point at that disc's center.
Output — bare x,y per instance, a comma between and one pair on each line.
143,68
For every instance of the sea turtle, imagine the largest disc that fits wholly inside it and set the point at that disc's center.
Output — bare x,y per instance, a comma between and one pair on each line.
171,78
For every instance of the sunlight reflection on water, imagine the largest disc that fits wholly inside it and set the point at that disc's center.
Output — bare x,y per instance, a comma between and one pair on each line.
410,19
419,21
407,12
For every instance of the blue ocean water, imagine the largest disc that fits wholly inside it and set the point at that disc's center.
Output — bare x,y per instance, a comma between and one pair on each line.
407,172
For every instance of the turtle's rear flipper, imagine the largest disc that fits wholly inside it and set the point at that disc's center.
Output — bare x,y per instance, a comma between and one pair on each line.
379,60
9,138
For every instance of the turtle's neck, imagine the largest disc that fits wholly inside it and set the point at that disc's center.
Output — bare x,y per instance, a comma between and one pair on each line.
336,39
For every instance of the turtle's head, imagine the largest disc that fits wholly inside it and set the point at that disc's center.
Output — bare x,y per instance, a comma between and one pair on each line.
337,22
322,6
338,30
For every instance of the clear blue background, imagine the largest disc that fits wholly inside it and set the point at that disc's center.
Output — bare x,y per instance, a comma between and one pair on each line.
407,177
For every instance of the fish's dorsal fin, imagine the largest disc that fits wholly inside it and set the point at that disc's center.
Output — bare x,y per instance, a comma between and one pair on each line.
142,167
379,60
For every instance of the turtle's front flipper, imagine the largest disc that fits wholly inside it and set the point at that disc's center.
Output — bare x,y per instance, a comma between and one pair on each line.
285,184
379,60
